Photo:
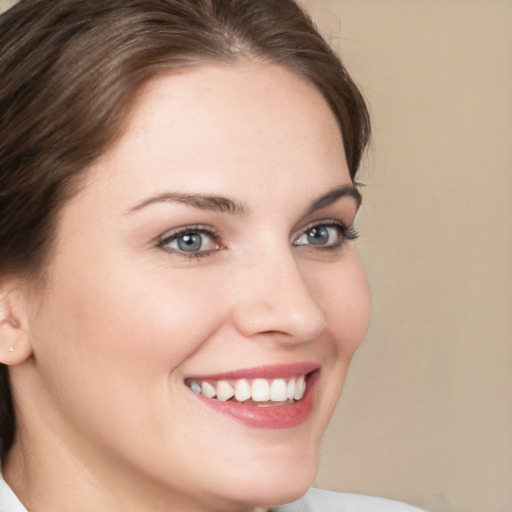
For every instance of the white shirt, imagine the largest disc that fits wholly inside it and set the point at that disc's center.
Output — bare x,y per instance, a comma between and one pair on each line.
8,500
318,500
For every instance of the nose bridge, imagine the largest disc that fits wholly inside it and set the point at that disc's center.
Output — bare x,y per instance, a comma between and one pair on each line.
275,298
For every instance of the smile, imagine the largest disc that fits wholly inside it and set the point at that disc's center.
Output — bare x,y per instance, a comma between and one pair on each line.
271,397
261,392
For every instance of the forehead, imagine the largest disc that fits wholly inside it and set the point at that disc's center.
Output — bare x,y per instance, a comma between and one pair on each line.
224,126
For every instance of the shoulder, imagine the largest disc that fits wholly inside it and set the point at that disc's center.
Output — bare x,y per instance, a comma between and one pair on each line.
317,500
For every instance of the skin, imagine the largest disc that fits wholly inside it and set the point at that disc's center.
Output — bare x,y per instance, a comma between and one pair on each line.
105,420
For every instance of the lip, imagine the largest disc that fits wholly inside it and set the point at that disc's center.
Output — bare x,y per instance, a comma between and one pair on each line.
271,417
263,372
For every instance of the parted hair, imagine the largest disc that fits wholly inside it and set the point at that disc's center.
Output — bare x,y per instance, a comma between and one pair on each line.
70,71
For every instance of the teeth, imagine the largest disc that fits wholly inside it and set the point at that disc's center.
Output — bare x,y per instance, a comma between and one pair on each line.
259,390
208,390
195,387
278,390
242,390
224,391
300,388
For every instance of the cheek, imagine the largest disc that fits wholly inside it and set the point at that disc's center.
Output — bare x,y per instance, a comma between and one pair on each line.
344,296
153,319
121,323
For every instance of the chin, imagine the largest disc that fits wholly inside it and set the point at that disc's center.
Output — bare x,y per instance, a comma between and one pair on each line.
268,492
275,480
277,467
288,488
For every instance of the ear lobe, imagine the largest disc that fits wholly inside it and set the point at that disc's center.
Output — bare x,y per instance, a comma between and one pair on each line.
15,346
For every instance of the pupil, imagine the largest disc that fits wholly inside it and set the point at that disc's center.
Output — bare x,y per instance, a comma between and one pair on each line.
318,236
190,242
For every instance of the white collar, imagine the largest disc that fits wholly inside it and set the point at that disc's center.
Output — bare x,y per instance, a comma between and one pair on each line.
8,500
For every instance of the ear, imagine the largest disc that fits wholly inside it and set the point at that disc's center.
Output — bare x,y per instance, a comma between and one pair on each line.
15,344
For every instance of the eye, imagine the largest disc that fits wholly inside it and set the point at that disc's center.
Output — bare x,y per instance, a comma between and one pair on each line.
327,235
191,241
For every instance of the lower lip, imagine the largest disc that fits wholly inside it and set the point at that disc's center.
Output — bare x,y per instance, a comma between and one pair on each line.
271,417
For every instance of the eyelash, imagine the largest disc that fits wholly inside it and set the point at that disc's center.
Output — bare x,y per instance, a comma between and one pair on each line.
344,234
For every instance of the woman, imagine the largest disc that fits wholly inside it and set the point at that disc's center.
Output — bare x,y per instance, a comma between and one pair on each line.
180,295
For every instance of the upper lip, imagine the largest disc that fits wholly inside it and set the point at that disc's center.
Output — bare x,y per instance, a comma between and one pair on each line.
263,372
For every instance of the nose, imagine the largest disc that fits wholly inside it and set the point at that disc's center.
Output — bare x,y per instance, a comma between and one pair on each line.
274,299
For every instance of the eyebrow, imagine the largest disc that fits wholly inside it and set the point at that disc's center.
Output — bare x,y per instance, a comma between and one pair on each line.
222,204
333,196
212,203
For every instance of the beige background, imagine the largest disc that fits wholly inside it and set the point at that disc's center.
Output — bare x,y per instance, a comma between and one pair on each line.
426,415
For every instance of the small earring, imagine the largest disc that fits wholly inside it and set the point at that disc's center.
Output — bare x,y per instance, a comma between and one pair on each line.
11,348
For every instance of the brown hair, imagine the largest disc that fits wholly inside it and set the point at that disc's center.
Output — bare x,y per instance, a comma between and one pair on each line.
70,70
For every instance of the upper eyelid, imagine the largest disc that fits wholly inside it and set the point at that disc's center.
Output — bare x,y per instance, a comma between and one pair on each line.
200,228
204,228
321,222
172,234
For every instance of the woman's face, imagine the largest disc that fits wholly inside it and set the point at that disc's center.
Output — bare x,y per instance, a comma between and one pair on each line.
209,249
